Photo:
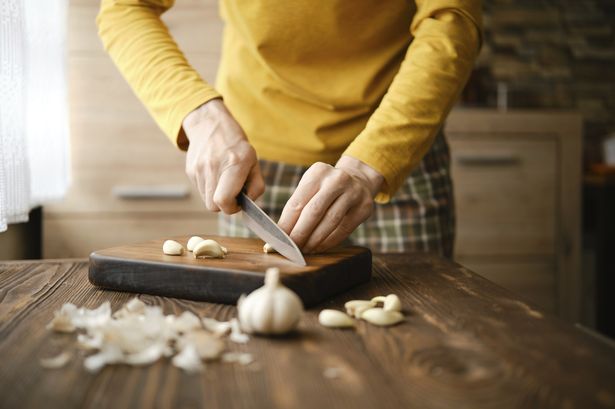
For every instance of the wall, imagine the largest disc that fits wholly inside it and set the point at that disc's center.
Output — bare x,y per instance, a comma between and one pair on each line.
551,54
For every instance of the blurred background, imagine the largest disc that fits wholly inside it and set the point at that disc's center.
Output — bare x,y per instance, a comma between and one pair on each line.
535,191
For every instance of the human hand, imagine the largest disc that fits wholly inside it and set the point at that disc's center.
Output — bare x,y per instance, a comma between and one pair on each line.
220,160
330,203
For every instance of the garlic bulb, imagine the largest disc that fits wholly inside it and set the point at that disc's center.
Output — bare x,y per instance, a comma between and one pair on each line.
271,309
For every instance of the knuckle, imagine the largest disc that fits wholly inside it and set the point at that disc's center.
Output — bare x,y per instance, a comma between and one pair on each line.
295,205
315,208
320,167
342,177
336,218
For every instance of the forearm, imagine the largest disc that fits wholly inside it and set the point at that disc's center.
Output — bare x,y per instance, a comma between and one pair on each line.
430,79
151,62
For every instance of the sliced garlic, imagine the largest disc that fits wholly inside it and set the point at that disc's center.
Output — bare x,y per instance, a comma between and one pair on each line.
172,248
208,249
392,303
335,319
193,241
382,317
267,248
354,308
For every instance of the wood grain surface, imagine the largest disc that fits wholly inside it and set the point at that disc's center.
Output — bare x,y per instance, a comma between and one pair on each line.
144,268
465,343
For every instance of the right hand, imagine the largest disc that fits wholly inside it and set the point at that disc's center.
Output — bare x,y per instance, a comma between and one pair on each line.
220,160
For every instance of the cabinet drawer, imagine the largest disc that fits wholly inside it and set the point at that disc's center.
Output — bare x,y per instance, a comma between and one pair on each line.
505,193
74,236
533,280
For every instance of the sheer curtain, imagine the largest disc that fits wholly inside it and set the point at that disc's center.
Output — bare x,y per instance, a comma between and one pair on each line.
34,130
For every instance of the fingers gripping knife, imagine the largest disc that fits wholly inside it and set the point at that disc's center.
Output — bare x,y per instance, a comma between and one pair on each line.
265,228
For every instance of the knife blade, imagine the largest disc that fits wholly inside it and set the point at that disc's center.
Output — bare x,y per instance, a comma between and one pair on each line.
257,220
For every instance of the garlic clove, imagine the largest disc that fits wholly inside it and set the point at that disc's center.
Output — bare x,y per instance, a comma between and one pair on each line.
267,248
378,299
382,317
193,241
354,308
209,249
335,319
172,248
392,303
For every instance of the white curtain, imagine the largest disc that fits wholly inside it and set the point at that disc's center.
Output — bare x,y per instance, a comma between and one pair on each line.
34,130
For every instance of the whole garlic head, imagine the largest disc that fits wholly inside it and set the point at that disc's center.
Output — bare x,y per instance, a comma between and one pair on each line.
271,309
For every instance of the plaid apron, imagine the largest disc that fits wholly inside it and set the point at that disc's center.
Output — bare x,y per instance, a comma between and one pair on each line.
419,218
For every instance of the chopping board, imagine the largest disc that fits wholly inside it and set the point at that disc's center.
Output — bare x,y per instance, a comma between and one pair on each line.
144,268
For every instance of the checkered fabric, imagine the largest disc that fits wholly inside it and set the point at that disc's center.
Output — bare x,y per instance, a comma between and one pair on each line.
419,218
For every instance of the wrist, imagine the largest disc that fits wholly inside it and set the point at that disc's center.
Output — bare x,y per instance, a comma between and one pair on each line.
370,176
203,113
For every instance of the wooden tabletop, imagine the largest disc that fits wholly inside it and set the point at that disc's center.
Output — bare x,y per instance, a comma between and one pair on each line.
466,343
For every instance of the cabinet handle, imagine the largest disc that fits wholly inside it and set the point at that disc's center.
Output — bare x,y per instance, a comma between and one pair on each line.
488,160
156,192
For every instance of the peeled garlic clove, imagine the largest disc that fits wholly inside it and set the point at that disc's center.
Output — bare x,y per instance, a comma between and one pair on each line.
267,248
378,299
356,307
193,241
392,303
172,248
208,248
335,319
382,317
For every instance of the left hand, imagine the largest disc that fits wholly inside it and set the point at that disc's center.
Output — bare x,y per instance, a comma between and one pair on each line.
330,203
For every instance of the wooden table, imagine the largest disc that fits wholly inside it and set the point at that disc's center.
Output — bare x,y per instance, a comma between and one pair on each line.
466,343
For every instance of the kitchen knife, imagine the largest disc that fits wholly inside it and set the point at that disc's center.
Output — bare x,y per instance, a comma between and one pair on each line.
257,220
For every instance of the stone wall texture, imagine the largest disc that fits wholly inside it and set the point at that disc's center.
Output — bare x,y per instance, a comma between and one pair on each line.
553,55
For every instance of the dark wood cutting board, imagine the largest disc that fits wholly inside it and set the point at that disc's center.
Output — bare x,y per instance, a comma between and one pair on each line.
143,268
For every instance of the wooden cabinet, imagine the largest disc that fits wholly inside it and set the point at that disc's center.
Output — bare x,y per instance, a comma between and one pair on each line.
516,174
517,179
117,150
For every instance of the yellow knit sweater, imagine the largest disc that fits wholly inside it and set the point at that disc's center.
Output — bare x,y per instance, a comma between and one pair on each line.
310,80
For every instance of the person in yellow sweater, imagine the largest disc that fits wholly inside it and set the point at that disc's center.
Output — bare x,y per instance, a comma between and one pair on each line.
332,109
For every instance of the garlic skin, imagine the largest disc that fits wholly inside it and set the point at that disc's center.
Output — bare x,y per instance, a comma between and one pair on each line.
270,310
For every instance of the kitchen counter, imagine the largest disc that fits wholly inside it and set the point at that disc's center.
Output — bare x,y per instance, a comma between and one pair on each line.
465,343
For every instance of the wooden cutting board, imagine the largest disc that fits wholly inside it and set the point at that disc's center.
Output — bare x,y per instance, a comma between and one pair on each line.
143,268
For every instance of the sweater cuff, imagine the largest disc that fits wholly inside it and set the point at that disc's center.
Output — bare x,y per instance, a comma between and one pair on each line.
391,173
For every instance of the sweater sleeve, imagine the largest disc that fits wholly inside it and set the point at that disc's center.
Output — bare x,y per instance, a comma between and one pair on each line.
149,59
438,62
